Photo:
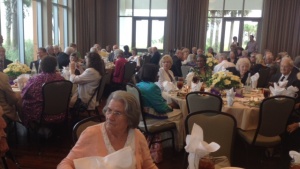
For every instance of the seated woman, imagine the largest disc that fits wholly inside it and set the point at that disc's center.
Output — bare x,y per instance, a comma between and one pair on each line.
119,131
241,69
154,103
232,58
89,80
135,58
78,67
191,60
165,74
32,93
200,70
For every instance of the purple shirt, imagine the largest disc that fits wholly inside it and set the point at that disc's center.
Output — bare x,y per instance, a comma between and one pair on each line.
33,99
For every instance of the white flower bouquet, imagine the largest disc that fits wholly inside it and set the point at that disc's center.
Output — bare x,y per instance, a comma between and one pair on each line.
15,69
224,80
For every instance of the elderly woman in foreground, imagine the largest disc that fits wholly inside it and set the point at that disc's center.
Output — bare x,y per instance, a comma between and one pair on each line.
118,132
242,68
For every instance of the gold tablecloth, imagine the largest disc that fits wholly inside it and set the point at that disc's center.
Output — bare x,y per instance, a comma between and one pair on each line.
246,116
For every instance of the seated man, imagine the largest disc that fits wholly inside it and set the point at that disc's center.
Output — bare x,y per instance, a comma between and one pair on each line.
3,61
176,67
42,52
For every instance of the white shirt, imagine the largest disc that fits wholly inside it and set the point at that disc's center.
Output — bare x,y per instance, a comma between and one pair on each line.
87,82
135,59
163,76
223,65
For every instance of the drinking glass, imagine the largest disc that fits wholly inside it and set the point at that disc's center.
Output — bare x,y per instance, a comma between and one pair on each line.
206,163
179,84
266,92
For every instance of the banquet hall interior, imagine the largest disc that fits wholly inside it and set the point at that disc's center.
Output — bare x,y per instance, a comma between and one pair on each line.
168,26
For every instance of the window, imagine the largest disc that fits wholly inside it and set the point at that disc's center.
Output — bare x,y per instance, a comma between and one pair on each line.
24,26
229,18
142,23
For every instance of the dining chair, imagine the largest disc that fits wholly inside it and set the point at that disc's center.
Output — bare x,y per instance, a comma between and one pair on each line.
273,116
185,70
151,131
197,101
217,127
101,88
56,97
83,124
129,71
264,76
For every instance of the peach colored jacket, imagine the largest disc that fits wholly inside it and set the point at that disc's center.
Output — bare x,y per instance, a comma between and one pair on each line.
91,143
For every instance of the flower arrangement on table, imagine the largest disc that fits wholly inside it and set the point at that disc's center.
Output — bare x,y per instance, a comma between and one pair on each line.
211,62
224,80
16,69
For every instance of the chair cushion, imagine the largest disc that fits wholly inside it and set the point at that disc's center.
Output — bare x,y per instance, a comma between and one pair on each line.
263,141
158,126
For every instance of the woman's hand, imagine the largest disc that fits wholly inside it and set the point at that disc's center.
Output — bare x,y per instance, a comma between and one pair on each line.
292,127
72,67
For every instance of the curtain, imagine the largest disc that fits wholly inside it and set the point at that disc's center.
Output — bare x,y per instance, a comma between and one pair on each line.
186,23
93,23
281,26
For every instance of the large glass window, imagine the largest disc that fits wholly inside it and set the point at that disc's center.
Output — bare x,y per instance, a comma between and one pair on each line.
229,18
142,23
24,26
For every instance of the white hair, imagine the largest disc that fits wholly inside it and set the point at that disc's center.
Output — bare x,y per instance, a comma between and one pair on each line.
93,49
69,50
242,61
288,60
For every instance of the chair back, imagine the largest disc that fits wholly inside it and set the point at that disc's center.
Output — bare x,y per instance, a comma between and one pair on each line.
130,88
274,113
129,70
102,84
197,101
217,127
185,70
56,97
83,124
145,60
264,75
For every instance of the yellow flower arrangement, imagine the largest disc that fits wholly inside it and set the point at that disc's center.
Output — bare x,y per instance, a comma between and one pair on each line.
15,69
224,80
211,62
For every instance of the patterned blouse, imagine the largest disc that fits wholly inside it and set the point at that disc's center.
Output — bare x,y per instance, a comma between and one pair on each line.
33,99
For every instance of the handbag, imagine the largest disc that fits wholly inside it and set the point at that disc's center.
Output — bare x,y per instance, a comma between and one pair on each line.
80,106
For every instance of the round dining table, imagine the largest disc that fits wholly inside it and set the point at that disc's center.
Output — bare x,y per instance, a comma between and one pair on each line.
245,109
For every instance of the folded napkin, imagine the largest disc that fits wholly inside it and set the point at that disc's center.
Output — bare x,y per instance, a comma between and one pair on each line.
292,91
196,86
295,156
121,159
254,80
66,73
230,94
189,78
277,90
168,86
283,83
197,148
22,80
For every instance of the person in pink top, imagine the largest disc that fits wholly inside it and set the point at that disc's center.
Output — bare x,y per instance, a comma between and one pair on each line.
119,66
116,134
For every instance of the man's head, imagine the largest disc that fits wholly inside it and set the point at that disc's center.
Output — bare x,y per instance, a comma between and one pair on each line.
286,65
108,48
56,49
194,50
269,58
97,46
2,53
50,49
154,49
199,51
251,37
69,50
115,47
41,53
179,54
221,57
234,38
126,48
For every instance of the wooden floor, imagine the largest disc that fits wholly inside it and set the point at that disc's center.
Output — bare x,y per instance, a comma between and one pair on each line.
55,148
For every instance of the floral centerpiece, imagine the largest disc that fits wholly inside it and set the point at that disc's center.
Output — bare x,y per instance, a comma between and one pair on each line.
224,80
211,62
15,69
